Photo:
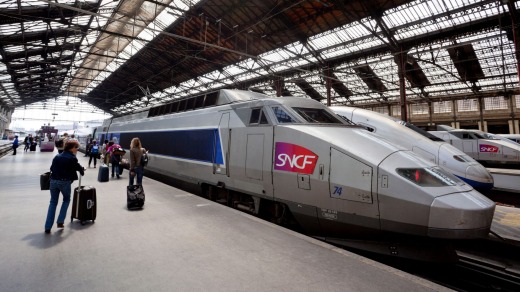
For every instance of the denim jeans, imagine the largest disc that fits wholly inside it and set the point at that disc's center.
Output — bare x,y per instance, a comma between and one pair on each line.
115,168
139,173
58,186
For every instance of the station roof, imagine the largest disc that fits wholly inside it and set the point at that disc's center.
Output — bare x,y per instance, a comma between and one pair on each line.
123,56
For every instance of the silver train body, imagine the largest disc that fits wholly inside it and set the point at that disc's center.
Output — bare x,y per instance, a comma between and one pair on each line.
482,146
416,140
513,137
271,155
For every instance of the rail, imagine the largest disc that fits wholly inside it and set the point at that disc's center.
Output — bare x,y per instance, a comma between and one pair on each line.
5,149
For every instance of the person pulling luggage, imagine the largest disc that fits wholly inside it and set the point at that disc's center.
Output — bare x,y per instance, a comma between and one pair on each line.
63,172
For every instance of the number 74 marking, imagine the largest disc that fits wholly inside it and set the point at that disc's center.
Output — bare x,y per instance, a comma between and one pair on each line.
337,190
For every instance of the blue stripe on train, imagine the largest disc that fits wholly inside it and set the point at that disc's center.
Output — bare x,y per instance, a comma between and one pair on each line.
476,184
199,144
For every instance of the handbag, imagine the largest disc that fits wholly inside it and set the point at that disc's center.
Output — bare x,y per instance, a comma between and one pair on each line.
45,181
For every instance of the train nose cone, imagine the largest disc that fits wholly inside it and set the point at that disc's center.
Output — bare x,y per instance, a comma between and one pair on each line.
461,215
481,177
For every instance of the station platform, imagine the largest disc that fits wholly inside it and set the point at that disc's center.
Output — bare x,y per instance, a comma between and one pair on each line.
178,242
506,223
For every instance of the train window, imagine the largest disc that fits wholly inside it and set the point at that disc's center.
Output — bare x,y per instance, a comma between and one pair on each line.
190,103
258,117
162,110
347,120
211,99
428,177
175,107
263,118
182,105
317,115
420,131
467,136
255,115
199,102
282,116
152,112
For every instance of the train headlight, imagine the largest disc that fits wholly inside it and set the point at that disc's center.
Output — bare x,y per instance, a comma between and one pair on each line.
428,177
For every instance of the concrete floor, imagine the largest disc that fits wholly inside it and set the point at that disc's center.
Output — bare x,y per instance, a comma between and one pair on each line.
178,242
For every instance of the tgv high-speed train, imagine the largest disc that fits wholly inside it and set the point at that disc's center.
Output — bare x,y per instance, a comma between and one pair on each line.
481,146
420,142
293,157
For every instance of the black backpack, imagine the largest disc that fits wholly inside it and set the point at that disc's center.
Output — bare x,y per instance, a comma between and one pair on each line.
144,159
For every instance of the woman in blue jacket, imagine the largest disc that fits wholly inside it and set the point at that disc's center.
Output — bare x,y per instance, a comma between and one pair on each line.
63,172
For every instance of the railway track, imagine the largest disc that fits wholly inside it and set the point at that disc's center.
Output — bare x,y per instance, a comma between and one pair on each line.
483,265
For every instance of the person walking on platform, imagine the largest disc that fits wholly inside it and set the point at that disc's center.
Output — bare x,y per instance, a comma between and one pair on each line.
63,172
136,169
93,152
26,143
106,154
60,144
115,160
15,144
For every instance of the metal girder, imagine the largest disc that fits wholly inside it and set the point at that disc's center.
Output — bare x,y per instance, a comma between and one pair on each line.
8,57
33,13
308,89
466,62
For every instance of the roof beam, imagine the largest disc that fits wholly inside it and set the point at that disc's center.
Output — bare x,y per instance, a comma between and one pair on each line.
43,13
308,89
43,51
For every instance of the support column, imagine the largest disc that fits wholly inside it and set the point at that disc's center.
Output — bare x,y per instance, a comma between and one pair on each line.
511,125
482,126
278,84
328,85
402,86
481,112
517,127
430,113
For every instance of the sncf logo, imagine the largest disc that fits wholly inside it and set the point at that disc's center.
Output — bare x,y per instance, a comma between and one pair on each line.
488,148
294,158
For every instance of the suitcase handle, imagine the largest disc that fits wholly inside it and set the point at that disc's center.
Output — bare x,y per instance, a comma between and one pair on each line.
79,185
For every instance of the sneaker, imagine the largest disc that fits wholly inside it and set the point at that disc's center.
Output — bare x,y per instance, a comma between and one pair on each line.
60,225
47,231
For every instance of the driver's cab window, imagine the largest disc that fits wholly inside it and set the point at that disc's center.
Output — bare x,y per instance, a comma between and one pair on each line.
466,136
258,117
282,116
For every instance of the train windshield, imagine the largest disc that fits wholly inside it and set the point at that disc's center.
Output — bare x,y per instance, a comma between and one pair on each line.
421,131
282,116
316,115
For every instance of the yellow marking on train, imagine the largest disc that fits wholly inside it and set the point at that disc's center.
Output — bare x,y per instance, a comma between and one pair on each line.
510,219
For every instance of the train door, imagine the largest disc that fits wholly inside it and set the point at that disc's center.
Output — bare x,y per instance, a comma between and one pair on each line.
251,145
353,190
221,154
259,145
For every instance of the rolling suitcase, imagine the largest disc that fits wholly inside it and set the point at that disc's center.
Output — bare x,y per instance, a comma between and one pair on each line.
32,147
84,204
103,173
134,197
